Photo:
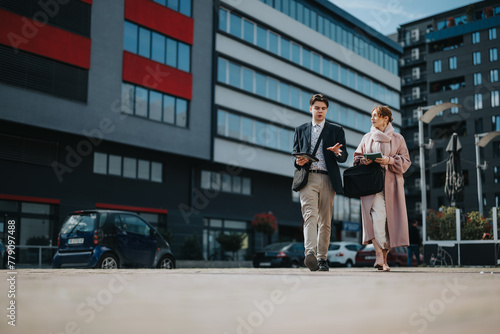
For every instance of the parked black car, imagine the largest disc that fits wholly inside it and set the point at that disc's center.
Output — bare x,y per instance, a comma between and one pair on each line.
281,254
110,239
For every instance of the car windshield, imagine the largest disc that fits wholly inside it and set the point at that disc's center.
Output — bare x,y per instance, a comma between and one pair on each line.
79,223
276,247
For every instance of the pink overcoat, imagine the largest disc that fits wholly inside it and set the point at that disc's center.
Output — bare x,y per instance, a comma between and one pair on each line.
395,202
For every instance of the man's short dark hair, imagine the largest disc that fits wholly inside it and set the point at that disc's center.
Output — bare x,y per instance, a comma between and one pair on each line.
320,98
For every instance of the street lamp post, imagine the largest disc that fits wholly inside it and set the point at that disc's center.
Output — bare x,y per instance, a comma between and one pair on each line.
481,140
427,117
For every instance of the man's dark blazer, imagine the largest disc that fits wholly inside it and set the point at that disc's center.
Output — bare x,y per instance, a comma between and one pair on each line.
332,134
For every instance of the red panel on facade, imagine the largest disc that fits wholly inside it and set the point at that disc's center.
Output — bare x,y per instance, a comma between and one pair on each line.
87,1
160,18
129,208
26,34
30,199
148,73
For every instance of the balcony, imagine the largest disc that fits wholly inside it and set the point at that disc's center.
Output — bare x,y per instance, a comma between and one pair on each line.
410,80
406,62
409,100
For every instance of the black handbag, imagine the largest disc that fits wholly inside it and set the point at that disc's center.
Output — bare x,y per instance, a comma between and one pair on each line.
301,176
363,180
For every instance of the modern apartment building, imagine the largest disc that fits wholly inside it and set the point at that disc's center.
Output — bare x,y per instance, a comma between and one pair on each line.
453,57
182,111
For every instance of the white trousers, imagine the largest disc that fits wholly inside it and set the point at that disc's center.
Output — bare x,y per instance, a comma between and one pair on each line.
379,219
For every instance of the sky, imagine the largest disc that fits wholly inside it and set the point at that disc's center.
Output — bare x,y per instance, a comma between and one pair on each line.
385,16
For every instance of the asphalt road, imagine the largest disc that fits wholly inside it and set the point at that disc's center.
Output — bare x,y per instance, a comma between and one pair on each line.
247,300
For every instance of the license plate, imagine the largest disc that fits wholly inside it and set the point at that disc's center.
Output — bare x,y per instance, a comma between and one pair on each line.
370,258
75,241
265,264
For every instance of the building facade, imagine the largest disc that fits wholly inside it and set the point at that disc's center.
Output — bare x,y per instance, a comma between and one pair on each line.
182,111
452,57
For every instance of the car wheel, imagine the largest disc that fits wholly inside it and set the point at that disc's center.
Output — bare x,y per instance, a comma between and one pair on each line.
108,261
166,263
295,264
348,264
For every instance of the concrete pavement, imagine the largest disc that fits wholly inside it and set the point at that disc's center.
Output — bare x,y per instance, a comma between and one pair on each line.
247,300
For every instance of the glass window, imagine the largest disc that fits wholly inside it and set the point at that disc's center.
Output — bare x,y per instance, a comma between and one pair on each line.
246,186
494,54
492,33
234,75
235,25
221,123
247,79
454,110
237,184
335,71
144,42
156,172
246,129
226,182
272,89
271,136
143,170
185,7
475,37
158,50
155,105
173,4
343,75
352,79
476,58
284,93
205,179
437,66
325,67
181,111
141,101
115,165
306,58
452,63
316,63
285,48
495,101
168,109
233,126
223,19
478,101
260,84
477,79
494,75
306,98
221,70
135,225
260,133
295,97
130,37
171,52
128,98
262,37
248,31
295,53
100,163
273,43
129,167
184,57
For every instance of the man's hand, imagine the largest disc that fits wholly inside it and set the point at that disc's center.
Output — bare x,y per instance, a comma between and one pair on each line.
335,149
301,161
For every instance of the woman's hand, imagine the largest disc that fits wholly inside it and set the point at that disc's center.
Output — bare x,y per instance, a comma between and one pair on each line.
365,161
384,160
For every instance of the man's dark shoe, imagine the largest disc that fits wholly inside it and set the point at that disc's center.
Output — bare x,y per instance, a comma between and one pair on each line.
323,265
311,262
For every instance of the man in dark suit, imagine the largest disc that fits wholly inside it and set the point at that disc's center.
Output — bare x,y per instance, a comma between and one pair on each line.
316,198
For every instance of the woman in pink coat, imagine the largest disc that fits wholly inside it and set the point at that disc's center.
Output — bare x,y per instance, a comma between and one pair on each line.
385,221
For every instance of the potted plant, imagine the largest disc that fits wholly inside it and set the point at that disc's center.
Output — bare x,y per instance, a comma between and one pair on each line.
451,22
488,12
231,242
265,223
